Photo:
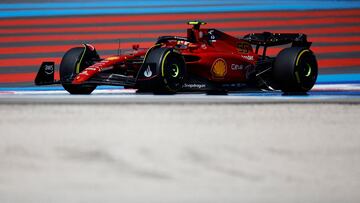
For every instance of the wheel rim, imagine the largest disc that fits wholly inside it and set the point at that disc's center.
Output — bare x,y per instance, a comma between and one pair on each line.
306,70
173,70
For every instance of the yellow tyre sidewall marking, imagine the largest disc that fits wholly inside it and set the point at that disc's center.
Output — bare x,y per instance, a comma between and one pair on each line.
79,62
299,56
297,63
163,63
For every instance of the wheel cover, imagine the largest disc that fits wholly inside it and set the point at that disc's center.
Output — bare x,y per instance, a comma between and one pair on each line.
308,71
175,70
172,70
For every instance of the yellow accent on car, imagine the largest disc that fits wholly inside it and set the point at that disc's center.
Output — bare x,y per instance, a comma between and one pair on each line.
301,53
162,63
112,58
196,23
79,62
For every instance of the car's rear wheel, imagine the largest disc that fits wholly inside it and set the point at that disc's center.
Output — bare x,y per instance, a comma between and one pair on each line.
295,70
70,66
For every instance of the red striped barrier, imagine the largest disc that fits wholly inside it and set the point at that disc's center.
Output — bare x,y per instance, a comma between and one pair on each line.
22,37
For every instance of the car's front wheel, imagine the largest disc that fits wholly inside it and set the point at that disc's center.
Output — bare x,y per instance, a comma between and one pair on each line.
70,66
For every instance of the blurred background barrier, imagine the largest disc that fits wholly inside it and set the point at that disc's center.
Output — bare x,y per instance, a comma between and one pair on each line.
37,30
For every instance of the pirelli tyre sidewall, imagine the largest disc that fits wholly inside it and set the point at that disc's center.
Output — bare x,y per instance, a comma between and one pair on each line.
295,70
167,71
68,70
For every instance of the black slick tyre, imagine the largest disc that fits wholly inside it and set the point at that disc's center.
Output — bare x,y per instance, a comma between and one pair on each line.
295,70
68,70
170,68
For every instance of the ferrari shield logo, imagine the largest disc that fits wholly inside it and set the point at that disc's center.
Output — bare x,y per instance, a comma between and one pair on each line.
219,68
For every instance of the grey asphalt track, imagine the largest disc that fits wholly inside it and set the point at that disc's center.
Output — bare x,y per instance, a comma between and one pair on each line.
177,152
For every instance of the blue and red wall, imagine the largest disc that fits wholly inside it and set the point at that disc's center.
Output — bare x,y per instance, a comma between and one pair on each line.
33,32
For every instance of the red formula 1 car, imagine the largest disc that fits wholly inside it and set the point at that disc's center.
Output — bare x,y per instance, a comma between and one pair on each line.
205,60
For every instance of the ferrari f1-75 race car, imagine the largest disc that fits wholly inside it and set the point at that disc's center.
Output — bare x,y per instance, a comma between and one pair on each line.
205,60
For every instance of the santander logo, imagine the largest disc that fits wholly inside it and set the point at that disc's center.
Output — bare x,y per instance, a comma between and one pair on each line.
248,57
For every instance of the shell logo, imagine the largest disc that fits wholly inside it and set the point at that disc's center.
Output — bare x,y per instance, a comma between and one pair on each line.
219,68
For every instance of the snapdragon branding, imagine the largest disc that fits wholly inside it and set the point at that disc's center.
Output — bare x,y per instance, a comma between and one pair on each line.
194,85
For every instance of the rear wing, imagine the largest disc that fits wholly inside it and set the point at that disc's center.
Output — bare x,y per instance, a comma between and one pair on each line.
268,39
276,39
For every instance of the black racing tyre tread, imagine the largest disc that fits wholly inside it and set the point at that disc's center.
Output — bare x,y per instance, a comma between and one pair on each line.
67,71
295,70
